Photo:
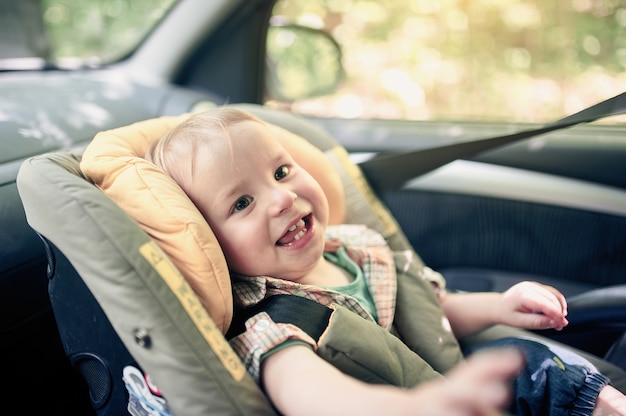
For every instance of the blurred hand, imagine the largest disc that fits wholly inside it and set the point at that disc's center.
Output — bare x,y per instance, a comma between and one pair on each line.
479,386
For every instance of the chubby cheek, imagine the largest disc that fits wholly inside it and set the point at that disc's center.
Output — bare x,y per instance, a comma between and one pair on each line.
239,257
321,207
245,252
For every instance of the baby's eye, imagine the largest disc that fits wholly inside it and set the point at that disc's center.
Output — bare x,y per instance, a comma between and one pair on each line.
242,203
281,172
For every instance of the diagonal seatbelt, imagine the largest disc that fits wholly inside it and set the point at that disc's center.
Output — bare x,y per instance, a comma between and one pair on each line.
391,171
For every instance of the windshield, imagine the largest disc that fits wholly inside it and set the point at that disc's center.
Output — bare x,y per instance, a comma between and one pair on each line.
35,33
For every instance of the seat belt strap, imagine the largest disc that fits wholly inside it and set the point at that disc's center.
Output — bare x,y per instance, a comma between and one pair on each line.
308,315
391,171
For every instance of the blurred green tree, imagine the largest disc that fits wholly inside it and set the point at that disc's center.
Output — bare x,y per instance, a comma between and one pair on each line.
527,60
102,30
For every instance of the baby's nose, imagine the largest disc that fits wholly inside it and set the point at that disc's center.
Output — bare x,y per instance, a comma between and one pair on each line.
282,200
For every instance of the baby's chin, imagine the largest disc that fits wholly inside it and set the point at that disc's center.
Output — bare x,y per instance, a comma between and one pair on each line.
301,272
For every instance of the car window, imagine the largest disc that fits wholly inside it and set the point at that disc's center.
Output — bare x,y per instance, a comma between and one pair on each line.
514,60
74,32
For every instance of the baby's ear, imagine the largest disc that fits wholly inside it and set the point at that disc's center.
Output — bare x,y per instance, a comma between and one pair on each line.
314,161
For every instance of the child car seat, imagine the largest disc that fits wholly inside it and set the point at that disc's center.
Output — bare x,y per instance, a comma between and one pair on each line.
159,318
154,311
158,325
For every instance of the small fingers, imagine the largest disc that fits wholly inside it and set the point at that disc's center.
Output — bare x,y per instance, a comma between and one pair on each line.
560,298
542,306
538,320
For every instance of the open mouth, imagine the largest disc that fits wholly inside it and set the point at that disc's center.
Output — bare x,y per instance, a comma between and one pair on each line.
295,232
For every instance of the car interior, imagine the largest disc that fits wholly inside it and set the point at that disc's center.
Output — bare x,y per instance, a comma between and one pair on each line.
121,311
88,319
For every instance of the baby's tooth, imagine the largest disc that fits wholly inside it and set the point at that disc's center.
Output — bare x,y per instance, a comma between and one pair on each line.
300,223
299,235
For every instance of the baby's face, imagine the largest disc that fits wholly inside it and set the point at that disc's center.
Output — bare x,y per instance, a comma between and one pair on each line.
267,212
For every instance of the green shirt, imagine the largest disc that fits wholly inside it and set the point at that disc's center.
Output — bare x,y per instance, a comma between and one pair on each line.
357,288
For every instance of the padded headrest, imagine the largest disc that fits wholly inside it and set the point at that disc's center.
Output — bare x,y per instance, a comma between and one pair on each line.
114,162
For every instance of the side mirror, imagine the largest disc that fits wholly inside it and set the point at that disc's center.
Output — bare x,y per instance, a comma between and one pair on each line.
302,62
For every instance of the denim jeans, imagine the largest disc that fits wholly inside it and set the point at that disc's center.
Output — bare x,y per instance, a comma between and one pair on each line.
554,382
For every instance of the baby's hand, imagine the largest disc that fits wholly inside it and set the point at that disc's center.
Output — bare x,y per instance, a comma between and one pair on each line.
533,305
478,386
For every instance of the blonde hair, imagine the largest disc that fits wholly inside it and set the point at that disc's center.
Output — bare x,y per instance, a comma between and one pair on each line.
174,153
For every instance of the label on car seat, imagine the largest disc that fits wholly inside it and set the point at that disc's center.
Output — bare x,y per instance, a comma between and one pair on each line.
209,330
